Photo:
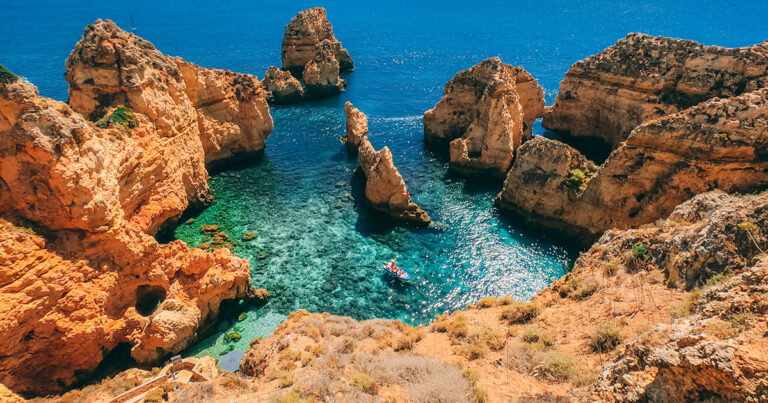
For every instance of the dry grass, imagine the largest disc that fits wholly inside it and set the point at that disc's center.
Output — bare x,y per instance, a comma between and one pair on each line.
687,305
605,337
520,313
487,302
533,334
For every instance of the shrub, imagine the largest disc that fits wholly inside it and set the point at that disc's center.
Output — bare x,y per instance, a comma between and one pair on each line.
479,395
285,379
611,267
718,328
657,276
487,302
347,346
740,320
121,116
714,280
407,340
290,397
687,305
639,250
520,313
489,337
364,382
455,326
579,177
535,334
506,300
6,77
155,395
556,366
605,337
474,350
585,288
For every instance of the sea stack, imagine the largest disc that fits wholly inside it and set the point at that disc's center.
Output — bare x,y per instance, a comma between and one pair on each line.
486,112
384,186
83,189
305,31
642,78
321,73
281,86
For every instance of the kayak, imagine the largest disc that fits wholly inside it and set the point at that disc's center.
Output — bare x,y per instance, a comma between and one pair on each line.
402,277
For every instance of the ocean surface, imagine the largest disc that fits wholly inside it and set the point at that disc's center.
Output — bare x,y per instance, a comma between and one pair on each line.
318,247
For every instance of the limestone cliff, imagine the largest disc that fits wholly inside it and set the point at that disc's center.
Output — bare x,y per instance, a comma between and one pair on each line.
642,78
485,113
80,272
321,73
384,186
281,86
720,143
307,29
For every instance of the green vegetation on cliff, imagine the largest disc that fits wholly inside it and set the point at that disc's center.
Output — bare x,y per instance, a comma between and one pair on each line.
6,77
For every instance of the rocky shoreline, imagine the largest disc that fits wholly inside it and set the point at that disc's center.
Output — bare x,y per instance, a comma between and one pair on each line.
667,304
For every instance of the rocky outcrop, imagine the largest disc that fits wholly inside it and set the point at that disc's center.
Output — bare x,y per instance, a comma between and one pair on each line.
384,186
281,86
306,30
80,273
357,127
321,73
720,144
642,78
485,114
227,111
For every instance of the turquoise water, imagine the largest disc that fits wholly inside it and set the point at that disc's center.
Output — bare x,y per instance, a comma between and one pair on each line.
318,247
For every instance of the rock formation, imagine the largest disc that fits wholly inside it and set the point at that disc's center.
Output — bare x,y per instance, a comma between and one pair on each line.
485,113
642,78
306,30
384,186
321,73
357,127
720,143
281,86
80,273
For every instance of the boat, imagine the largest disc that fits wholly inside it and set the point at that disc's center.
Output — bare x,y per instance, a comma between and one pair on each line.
397,272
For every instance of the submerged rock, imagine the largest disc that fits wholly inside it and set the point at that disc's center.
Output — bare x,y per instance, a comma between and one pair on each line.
384,186
321,73
719,144
485,114
642,78
98,279
281,86
306,30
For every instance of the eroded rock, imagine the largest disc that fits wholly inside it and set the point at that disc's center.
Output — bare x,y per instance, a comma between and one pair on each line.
281,86
306,30
80,273
485,114
321,73
642,78
357,127
720,144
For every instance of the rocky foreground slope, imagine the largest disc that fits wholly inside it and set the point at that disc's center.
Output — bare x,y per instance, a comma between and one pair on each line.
486,113
80,273
642,78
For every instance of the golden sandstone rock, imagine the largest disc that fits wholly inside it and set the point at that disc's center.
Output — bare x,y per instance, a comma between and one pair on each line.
307,29
80,272
486,112
384,186
642,78
281,86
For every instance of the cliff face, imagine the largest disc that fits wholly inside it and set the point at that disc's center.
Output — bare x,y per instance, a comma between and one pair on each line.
227,111
384,186
321,73
485,113
720,143
80,272
642,78
307,29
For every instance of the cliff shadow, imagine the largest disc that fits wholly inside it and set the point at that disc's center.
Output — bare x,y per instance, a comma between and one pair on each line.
593,148
369,221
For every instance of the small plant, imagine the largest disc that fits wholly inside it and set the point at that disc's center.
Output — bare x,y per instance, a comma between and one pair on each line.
520,313
605,337
687,305
474,350
121,116
715,280
533,334
364,382
722,136
6,77
487,302
657,276
506,300
586,287
639,250
579,177
556,366
408,339
740,320
611,267
290,397
750,228
285,379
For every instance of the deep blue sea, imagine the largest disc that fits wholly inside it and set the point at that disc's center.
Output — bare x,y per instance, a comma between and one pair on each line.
318,247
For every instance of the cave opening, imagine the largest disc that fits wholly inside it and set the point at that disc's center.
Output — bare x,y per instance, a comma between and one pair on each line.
149,298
